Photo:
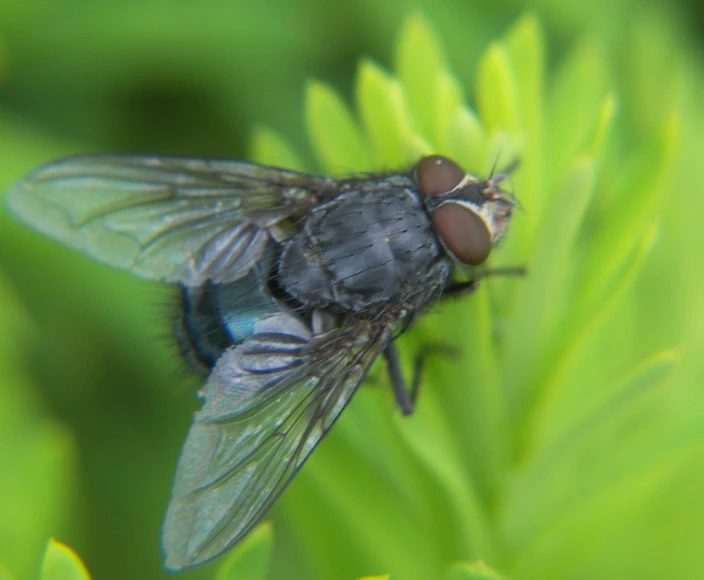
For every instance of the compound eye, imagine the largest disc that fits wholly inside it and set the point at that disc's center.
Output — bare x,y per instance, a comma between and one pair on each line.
437,175
464,233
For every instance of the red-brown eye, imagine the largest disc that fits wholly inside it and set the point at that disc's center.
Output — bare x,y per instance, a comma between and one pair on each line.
464,233
437,175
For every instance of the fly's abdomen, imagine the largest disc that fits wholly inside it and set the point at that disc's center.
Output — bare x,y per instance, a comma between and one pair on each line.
215,317
201,334
362,249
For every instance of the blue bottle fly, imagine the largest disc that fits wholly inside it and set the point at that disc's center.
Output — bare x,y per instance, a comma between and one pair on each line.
291,285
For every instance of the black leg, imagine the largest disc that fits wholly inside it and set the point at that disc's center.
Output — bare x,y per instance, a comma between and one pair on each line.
505,271
406,398
462,288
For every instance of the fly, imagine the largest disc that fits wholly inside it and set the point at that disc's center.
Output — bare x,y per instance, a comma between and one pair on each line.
291,285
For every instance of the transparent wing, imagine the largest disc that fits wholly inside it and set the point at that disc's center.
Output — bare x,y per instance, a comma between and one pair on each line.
268,402
169,218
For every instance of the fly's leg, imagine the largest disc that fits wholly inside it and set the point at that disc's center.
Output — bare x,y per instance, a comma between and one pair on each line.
461,288
405,397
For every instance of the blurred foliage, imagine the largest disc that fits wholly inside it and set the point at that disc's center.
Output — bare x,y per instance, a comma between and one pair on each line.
566,442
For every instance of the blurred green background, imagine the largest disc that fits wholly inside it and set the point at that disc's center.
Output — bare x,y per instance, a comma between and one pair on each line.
93,401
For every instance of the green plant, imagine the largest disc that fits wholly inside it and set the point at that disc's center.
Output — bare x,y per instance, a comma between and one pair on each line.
545,449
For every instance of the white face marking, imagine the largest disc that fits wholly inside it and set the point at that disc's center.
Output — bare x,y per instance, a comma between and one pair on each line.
493,211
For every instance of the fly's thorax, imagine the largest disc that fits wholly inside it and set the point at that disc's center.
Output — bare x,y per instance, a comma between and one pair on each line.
365,249
470,215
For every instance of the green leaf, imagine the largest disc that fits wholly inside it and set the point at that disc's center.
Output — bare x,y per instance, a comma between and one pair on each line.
543,298
270,148
420,65
34,449
557,446
251,558
563,379
334,132
591,522
526,52
472,571
429,440
566,360
466,141
382,108
496,90
469,388
561,432
604,127
644,186
582,432
62,563
449,105
356,495
5,574
575,104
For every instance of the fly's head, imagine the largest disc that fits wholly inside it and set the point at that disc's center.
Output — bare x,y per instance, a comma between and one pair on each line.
470,215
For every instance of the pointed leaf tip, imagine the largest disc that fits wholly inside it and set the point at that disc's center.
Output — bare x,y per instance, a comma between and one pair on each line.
526,33
62,563
419,63
382,106
496,90
271,148
336,137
